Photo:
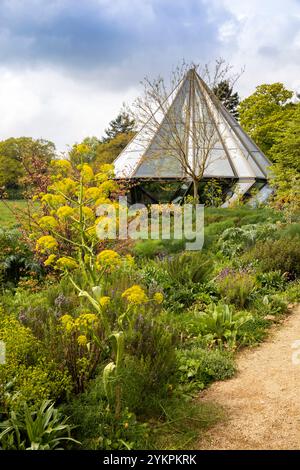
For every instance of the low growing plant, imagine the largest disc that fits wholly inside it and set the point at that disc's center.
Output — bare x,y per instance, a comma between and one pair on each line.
44,429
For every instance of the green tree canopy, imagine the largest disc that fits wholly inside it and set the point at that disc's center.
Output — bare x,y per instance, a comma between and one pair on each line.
123,124
264,114
24,162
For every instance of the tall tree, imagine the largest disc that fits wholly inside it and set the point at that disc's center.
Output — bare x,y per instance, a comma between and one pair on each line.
123,124
230,99
286,170
265,113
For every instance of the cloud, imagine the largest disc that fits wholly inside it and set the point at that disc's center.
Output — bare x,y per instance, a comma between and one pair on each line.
47,104
104,40
68,65
266,41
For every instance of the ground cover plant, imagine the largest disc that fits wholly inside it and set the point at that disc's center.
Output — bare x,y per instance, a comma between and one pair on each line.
110,343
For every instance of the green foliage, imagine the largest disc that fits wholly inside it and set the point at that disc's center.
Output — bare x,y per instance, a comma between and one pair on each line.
286,150
107,152
96,424
235,287
235,240
153,248
285,177
254,331
197,368
24,162
10,172
279,255
43,429
16,258
224,92
188,268
182,422
271,281
26,374
270,305
264,114
152,344
221,324
292,292
213,194
123,124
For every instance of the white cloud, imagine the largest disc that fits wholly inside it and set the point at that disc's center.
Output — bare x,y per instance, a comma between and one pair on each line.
266,41
44,103
78,71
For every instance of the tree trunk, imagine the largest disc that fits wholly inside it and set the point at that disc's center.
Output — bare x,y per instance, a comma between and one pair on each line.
195,185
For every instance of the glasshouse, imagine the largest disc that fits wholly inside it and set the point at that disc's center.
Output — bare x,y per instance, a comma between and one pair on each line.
192,137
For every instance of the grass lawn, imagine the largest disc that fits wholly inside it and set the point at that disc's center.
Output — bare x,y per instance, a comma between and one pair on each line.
7,217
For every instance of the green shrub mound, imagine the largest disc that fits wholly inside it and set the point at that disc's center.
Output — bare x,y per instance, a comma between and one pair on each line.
279,255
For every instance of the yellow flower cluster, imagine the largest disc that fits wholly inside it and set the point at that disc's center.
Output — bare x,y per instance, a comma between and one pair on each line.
86,172
158,298
108,187
62,165
48,222
108,259
104,300
83,323
50,260
135,295
64,212
66,186
66,262
81,148
93,193
82,340
46,243
88,213
53,200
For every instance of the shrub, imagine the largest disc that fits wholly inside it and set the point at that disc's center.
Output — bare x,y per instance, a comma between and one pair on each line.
270,305
278,255
290,231
43,429
197,368
97,427
149,248
253,331
16,259
292,293
271,281
238,239
153,346
235,286
188,268
26,374
220,324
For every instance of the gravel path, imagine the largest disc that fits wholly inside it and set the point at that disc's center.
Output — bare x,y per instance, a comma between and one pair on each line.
263,400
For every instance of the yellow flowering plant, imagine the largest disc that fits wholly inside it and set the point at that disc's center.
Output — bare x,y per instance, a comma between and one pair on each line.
83,345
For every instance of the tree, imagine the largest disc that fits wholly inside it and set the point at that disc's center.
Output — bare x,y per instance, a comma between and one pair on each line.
286,169
186,131
109,150
85,151
286,149
10,172
264,114
26,162
123,124
224,92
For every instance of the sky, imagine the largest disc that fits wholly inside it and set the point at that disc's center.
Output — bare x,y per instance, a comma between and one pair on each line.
67,66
